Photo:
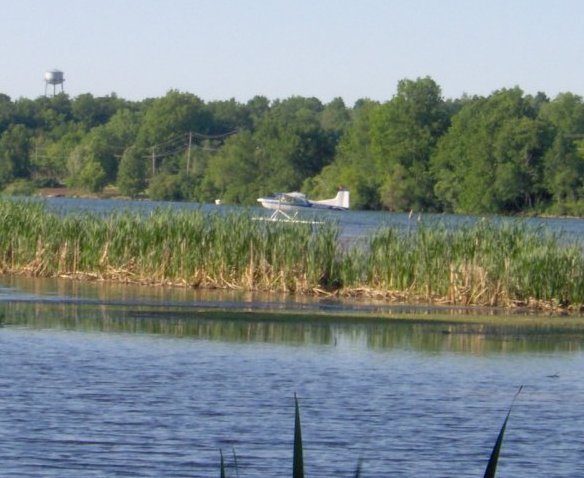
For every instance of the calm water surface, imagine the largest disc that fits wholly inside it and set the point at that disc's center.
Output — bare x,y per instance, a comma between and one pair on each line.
102,382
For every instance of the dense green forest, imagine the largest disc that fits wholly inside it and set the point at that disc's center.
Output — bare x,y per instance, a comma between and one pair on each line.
506,153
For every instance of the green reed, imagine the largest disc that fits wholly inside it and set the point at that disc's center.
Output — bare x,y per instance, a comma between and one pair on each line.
298,448
486,263
181,247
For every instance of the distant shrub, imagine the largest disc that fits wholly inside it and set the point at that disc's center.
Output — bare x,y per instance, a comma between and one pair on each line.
20,187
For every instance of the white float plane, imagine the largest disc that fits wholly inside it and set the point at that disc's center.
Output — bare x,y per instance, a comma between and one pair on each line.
284,203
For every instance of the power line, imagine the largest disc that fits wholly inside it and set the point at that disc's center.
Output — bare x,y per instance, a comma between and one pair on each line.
215,136
174,145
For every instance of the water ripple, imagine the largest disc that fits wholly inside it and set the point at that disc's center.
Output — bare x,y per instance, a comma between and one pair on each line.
102,404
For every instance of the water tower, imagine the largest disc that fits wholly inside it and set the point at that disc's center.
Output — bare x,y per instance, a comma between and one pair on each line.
54,77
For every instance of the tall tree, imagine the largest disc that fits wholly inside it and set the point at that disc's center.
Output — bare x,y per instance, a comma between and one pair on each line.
131,179
292,137
165,128
490,159
91,111
6,112
353,166
404,133
258,107
335,118
49,156
564,160
228,116
174,114
236,171
15,146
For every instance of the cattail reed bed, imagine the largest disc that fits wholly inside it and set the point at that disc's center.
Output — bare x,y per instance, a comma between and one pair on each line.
507,264
189,248
484,264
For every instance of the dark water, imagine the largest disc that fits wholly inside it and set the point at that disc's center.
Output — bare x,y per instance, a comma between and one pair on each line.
102,381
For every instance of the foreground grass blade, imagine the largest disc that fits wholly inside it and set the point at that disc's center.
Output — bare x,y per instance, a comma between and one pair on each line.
222,465
298,466
492,465
235,463
358,469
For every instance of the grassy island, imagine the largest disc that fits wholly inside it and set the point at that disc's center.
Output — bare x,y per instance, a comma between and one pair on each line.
504,264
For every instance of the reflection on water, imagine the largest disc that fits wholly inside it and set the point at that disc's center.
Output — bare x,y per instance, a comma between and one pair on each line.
163,403
306,329
99,381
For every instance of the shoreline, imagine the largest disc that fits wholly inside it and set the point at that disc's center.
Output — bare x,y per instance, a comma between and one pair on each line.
112,193
336,305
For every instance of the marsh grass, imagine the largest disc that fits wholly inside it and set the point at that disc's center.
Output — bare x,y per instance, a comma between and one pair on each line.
167,247
504,264
485,264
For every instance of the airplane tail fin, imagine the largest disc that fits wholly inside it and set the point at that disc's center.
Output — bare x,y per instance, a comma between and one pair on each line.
340,201
342,198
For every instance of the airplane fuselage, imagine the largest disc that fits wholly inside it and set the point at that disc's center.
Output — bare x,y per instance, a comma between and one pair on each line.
296,201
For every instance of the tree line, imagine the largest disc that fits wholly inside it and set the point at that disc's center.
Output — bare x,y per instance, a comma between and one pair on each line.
504,153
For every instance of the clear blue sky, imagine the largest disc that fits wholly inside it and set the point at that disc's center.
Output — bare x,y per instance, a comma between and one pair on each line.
221,49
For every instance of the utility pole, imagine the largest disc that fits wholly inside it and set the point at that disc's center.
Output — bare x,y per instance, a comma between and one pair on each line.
36,152
189,152
153,162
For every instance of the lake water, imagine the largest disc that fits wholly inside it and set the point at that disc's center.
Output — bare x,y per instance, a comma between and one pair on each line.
102,381
98,380
353,224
